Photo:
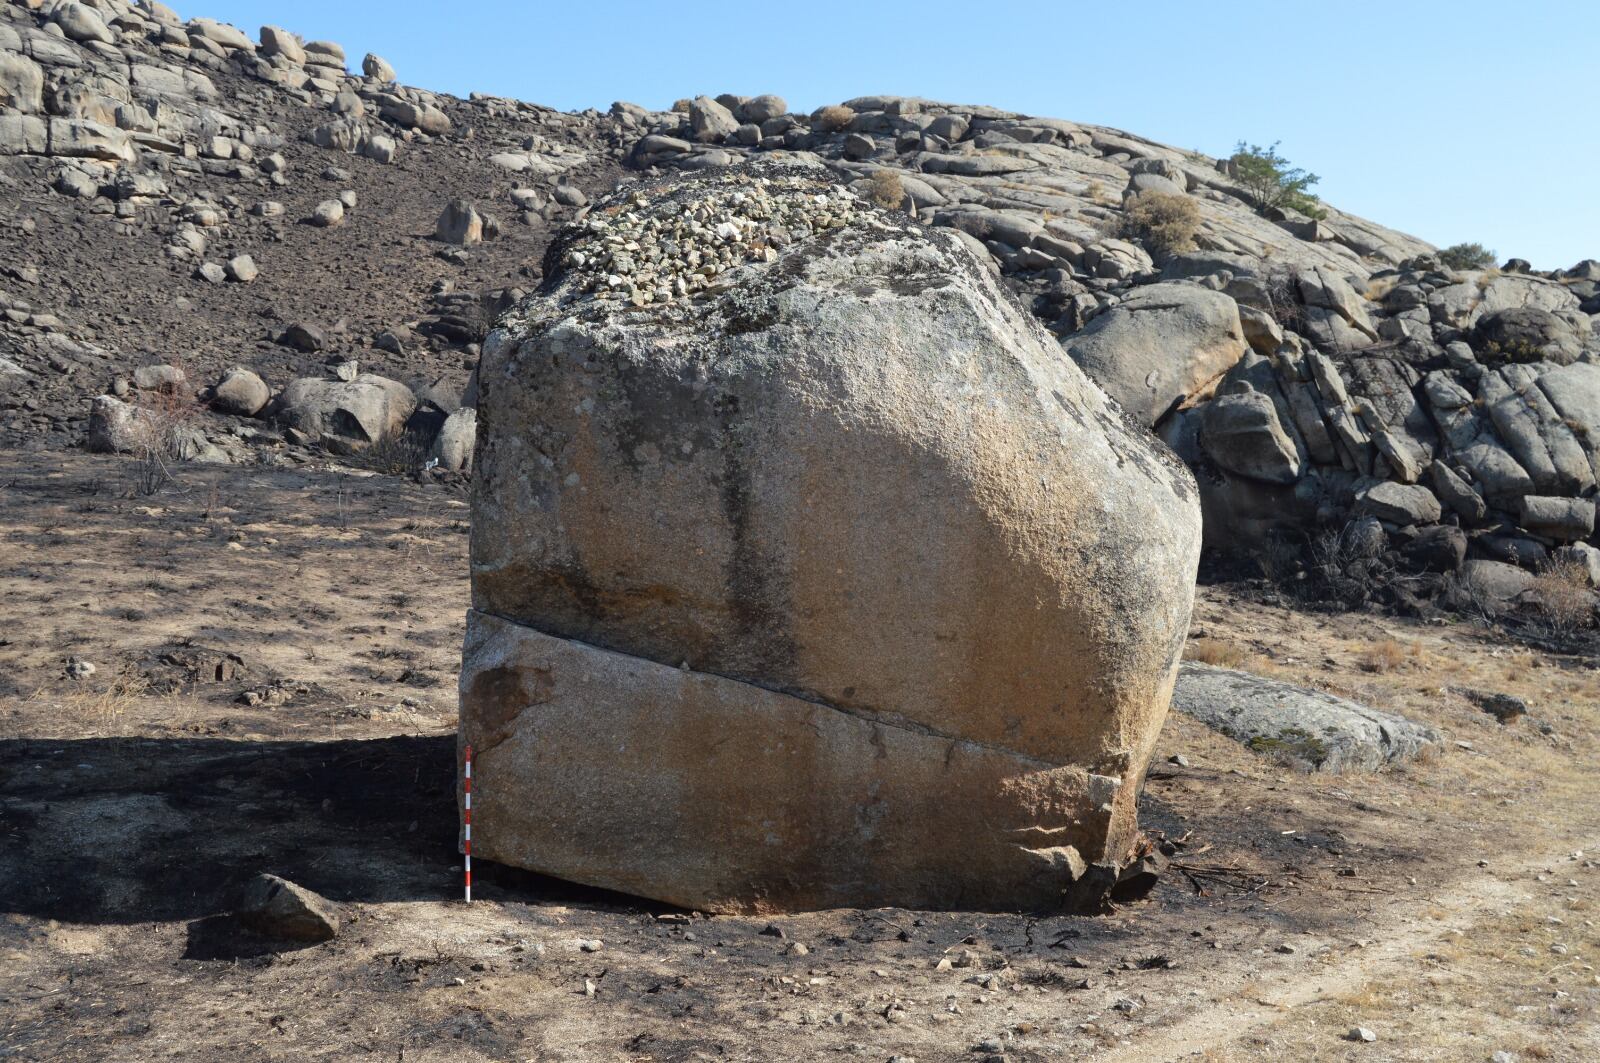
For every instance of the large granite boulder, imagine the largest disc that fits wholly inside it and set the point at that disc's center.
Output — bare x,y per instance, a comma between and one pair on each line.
21,83
806,572
1574,392
345,415
1163,344
1525,334
1242,433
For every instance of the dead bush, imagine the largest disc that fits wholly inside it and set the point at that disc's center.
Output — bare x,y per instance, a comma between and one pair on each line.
163,433
1343,570
886,190
1281,561
833,118
1562,595
103,707
1282,288
1164,223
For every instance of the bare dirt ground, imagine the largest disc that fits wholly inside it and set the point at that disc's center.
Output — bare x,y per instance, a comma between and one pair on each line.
275,654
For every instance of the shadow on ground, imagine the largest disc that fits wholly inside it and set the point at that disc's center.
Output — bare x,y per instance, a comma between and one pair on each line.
128,830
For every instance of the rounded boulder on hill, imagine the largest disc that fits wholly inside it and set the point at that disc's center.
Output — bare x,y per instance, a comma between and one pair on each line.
806,571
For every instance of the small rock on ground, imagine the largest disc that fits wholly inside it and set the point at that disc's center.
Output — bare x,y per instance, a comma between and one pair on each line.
279,908
1279,719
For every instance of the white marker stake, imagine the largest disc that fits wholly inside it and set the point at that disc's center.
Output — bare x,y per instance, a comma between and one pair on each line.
468,823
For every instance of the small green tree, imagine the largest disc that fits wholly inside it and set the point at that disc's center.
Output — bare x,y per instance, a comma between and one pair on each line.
1467,256
1272,182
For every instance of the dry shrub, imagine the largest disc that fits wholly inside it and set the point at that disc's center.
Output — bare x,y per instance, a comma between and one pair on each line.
1166,224
1432,753
1384,656
1215,652
833,118
1341,569
1561,591
1364,997
886,190
681,106
1281,561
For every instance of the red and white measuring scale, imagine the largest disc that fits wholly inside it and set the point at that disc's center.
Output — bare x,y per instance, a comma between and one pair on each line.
467,823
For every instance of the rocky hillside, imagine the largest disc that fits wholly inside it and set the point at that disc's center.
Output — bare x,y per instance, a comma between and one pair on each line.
142,160
184,197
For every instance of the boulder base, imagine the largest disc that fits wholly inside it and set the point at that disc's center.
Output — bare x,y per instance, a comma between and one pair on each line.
714,794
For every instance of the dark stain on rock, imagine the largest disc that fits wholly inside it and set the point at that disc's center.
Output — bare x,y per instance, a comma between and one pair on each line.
495,697
758,600
664,409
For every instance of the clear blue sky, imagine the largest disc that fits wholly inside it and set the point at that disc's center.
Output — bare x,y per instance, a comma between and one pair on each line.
1453,120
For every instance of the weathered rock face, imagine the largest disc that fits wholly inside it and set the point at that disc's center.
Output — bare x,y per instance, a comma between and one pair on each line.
721,795
830,568
1525,334
459,223
21,83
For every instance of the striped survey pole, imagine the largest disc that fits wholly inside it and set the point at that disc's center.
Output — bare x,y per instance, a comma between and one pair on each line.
468,822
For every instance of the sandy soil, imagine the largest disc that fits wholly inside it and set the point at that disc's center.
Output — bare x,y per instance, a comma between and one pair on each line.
275,653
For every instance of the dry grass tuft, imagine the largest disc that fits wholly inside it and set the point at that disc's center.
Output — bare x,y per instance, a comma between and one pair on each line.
101,708
1364,997
1216,652
1379,288
1385,656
